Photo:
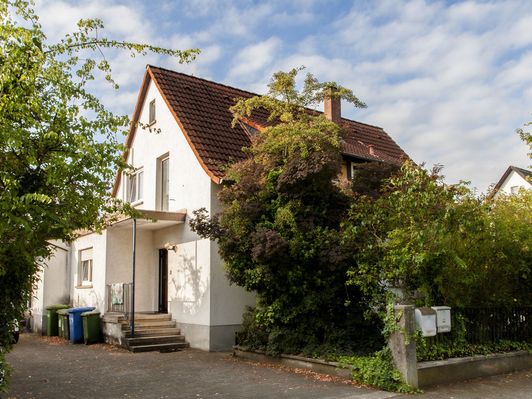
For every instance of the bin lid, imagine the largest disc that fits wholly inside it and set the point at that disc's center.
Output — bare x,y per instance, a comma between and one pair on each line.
81,310
56,307
62,311
92,312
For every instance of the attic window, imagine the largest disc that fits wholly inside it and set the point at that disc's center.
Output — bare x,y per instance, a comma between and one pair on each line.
250,130
152,112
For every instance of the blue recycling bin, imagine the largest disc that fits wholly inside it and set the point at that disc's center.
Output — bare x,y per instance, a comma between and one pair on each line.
76,324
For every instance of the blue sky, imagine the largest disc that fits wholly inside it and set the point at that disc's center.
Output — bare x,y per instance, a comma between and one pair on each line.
449,81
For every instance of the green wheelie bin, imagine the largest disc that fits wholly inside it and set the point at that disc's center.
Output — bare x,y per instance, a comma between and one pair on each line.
91,327
51,319
62,323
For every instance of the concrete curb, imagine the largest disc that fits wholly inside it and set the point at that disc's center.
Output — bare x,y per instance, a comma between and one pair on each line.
458,369
317,365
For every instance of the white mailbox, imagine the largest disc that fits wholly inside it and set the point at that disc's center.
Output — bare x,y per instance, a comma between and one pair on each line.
443,318
426,321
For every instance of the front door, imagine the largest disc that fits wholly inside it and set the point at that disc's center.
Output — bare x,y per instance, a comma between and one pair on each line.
163,281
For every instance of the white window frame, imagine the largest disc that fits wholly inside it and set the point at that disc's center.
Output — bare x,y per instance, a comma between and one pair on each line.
85,264
134,188
152,112
164,202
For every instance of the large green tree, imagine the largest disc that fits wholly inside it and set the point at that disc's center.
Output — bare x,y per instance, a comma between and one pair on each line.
278,232
59,145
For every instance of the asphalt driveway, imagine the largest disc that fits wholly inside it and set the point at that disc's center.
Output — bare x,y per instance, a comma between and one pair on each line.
52,368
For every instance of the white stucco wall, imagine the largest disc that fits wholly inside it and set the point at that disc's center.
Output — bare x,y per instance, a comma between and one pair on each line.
93,295
188,274
52,287
190,189
37,304
228,302
189,183
120,264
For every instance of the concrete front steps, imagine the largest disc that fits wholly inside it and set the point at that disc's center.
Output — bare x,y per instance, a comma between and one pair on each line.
153,332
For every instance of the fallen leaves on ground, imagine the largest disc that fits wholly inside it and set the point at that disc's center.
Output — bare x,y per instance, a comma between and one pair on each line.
304,372
54,340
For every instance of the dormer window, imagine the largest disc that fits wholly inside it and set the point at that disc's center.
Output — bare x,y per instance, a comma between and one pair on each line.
151,119
134,186
250,130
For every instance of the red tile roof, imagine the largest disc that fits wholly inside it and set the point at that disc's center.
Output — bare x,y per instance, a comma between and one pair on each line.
201,109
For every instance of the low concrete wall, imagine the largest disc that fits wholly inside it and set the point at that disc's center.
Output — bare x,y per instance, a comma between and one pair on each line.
457,369
111,328
319,366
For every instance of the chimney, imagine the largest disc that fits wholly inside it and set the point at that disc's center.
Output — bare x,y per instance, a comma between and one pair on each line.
371,151
332,106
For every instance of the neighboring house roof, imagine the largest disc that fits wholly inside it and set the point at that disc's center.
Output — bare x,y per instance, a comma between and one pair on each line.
521,172
525,174
201,109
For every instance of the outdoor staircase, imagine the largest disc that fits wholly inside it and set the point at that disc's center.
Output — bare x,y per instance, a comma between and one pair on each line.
153,332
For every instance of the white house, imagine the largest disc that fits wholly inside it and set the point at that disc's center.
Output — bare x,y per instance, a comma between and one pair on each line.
178,168
512,181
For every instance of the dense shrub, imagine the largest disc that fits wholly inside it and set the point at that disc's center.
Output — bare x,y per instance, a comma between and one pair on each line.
439,244
377,370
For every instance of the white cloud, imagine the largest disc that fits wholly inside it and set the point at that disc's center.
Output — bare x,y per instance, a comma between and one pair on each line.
122,21
61,17
449,81
231,20
435,78
253,59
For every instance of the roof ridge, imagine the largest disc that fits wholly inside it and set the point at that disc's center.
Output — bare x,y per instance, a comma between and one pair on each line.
523,170
212,82
250,92
518,167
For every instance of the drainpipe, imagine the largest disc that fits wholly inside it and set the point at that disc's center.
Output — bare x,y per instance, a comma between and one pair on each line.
132,321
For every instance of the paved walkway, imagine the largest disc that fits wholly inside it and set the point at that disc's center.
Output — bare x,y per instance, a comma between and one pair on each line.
507,386
52,368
